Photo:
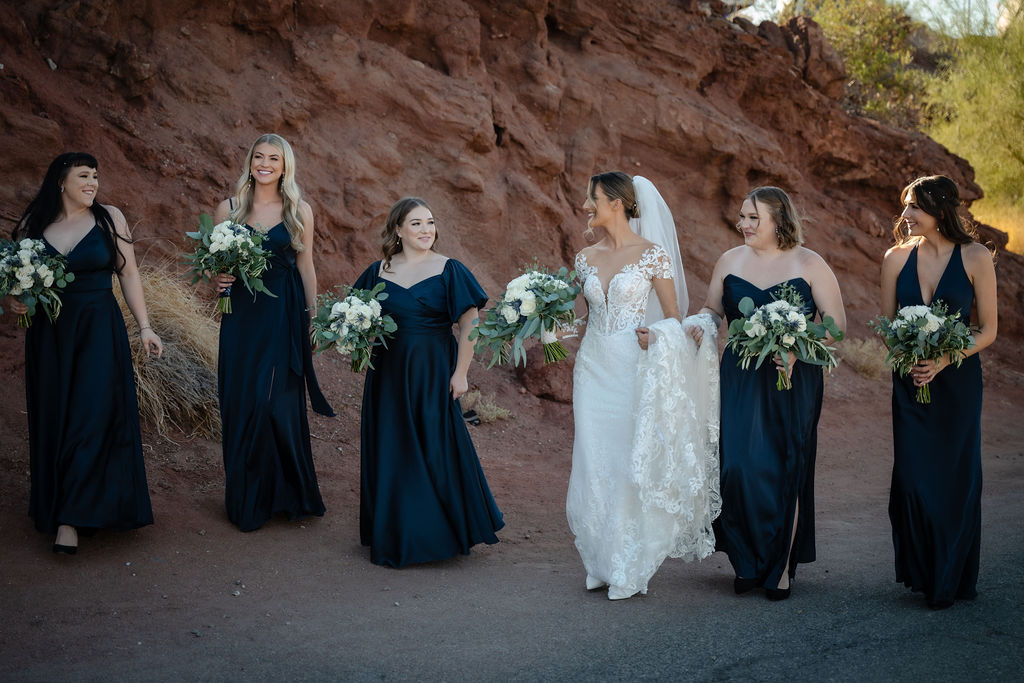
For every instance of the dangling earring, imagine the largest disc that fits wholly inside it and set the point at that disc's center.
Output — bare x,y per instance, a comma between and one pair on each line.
62,189
251,179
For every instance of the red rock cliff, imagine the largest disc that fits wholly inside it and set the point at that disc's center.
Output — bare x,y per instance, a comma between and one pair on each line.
496,112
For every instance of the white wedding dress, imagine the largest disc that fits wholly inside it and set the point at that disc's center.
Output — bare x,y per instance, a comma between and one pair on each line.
644,482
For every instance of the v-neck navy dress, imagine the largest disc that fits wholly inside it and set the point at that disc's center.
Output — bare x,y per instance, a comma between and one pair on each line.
85,446
265,367
935,499
769,442
423,494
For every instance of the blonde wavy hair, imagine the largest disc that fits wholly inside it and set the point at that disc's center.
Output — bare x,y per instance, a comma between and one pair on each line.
291,195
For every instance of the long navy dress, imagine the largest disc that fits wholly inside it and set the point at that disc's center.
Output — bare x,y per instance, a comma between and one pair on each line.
769,441
935,499
83,415
423,493
264,369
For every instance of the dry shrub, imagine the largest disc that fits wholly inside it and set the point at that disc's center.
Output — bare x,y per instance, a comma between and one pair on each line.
179,390
865,356
486,409
1004,216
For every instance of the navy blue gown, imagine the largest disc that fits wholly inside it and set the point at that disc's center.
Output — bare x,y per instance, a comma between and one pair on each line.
769,441
935,499
265,367
423,494
85,446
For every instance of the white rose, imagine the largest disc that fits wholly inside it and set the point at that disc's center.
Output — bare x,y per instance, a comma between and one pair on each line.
48,281
43,270
801,326
932,323
25,272
788,339
338,309
547,337
375,307
27,244
26,283
774,317
16,290
509,314
528,304
794,316
365,324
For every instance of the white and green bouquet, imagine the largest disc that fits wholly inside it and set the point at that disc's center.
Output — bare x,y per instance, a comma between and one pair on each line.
228,248
923,333
779,327
352,323
538,303
33,277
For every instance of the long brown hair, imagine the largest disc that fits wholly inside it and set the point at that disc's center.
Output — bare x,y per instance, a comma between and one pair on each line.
391,243
939,197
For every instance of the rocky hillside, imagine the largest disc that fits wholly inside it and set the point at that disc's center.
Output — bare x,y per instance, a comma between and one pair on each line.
497,113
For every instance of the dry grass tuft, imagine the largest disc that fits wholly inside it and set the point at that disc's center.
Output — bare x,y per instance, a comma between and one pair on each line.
865,356
486,409
1006,217
179,390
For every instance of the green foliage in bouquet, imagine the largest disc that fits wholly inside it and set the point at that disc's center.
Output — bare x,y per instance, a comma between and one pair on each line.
33,277
535,304
923,333
779,327
228,248
352,323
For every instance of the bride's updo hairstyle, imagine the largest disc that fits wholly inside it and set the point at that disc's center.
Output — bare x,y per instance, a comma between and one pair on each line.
391,242
939,197
788,230
616,185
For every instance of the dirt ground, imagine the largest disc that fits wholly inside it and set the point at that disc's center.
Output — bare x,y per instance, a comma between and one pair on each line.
192,598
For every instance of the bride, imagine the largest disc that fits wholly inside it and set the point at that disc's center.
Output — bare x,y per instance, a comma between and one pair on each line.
644,482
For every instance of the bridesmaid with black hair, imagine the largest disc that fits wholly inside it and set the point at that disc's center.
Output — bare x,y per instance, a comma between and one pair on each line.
85,445
935,498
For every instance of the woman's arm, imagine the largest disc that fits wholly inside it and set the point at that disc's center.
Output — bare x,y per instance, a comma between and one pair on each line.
825,289
982,273
131,285
304,259
459,384
713,301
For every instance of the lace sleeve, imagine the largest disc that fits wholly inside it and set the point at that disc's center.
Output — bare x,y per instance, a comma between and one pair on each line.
656,263
581,267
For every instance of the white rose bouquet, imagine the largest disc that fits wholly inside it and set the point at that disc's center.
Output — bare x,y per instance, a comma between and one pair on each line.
923,333
228,248
33,277
352,323
535,304
781,326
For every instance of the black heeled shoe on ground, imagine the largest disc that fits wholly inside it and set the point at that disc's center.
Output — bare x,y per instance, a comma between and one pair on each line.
742,586
777,594
65,549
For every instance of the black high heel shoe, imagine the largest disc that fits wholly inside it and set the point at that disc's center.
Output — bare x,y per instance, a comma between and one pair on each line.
742,586
777,594
66,549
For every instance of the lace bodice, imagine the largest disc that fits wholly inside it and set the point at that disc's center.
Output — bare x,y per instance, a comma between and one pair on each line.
623,307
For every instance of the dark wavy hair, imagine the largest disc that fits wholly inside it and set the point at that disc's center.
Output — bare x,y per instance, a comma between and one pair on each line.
47,206
939,197
391,244
788,228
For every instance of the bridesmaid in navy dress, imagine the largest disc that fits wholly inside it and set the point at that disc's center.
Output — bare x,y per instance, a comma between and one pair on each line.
935,498
769,437
265,364
423,495
85,446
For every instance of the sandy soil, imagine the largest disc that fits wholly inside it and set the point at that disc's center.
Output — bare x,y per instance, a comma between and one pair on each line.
193,598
